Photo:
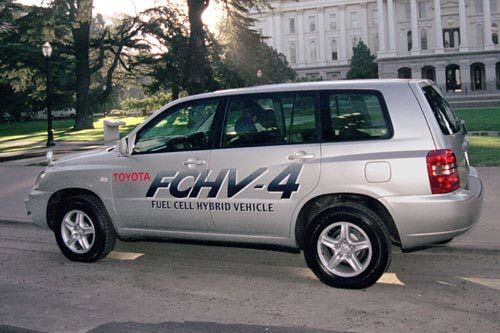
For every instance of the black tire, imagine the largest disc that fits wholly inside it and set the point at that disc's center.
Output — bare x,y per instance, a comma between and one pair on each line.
373,227
104,237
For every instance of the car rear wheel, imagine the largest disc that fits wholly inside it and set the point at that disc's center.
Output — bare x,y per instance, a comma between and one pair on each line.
83,229
347,246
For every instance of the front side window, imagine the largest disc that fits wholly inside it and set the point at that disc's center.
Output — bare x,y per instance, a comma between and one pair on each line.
184,128
354,116
269,120
444,114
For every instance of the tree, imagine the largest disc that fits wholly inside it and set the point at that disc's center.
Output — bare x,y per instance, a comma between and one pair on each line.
236,11
22,67
362,63
105,49
245,54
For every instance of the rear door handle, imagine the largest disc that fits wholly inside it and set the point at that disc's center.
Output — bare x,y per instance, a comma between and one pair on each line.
194,162
300,155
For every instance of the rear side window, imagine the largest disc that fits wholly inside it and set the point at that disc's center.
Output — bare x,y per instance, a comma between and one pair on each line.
444,114
270,119
354,115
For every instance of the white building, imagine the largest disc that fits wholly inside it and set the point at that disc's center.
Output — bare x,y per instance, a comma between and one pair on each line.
453,42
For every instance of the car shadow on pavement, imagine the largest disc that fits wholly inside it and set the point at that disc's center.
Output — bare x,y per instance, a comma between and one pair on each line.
199,327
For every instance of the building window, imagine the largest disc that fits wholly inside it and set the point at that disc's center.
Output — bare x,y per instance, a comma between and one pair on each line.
354,19
333,21
312,23
423,39
375,42
493,5
421,9
334,49
409,40
429,73
479,35
293,52
451,38
478,6
494,33
313,52
375,17
407,11
291,25
453,78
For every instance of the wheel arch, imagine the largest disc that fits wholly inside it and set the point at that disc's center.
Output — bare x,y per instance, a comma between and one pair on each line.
58,198
318,204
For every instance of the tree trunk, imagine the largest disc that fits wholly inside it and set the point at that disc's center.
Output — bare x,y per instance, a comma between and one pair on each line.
175,91
81,36
196,64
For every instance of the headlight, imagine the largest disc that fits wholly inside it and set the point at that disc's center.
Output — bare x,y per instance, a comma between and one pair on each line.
38,179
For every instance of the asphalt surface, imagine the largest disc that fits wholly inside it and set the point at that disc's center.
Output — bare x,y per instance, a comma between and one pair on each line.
169,287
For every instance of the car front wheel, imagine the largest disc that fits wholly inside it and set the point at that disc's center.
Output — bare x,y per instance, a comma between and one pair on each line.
83,229
347,246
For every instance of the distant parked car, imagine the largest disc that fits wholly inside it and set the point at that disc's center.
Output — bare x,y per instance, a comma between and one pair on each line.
7,117
65,113
28,115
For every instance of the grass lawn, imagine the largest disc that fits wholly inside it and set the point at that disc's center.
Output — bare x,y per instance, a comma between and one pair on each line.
484,150
483,119
32,134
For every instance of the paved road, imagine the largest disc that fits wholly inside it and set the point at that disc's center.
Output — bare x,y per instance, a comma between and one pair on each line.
157,287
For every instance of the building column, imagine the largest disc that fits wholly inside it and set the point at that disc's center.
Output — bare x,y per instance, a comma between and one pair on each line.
278,36
300,30
381,29
465,75
490,76
321,28
464,41
343,37
488,43
441,75
438,29
416,72
364,22
390,23
415,48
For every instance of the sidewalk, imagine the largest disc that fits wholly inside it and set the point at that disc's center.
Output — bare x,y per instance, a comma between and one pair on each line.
61,147
17,177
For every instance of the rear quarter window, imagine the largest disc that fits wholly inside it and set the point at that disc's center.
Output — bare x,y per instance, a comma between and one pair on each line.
354,115
445,116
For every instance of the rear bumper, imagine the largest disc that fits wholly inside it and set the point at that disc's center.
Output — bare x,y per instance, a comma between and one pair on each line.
36,207
426,219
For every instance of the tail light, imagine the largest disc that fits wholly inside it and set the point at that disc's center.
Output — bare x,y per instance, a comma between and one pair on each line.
443,171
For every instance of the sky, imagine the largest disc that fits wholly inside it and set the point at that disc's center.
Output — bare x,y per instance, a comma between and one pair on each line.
131,7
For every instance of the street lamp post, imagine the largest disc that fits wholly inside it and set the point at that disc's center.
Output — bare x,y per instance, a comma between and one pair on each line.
47,53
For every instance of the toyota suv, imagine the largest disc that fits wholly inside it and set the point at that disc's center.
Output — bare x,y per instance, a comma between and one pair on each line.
340,170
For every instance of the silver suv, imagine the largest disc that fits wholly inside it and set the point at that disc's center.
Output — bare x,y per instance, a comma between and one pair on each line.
337,169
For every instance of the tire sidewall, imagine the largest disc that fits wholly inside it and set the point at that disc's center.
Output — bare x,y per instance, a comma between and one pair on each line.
373,229
99,239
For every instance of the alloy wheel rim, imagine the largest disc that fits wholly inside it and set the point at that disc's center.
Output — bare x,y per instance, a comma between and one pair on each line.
78,231
344,249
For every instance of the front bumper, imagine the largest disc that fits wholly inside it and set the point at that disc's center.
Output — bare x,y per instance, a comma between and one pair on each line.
427,219
36,207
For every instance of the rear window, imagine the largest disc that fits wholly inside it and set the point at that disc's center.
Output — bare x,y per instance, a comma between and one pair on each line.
445,116
354,115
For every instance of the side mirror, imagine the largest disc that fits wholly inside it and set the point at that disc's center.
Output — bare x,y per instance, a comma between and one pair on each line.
123,147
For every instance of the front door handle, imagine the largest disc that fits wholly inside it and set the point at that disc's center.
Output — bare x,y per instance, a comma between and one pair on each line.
194,162
300,155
